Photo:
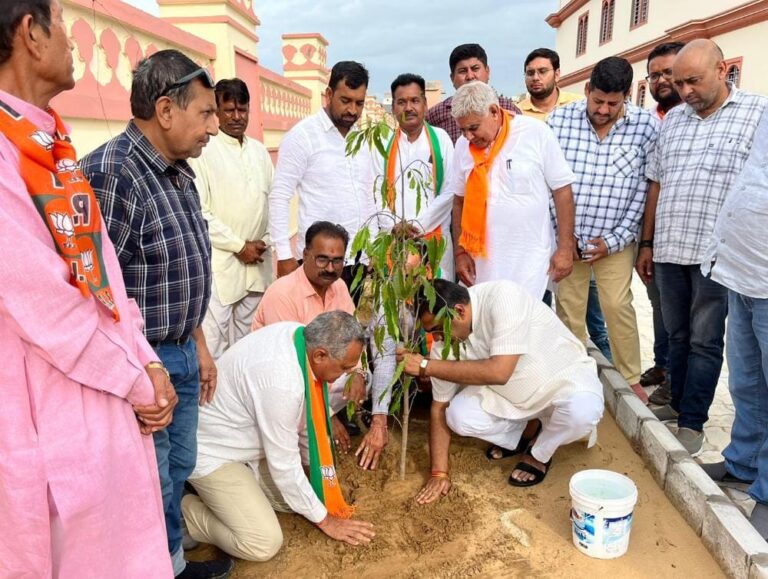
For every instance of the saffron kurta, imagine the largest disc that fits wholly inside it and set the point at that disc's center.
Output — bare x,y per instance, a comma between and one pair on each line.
79,489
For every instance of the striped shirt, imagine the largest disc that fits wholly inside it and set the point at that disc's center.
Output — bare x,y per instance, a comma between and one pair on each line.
440,116
696,162
610,186
152,212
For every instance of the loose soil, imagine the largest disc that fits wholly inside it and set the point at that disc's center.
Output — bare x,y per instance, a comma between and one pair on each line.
484,527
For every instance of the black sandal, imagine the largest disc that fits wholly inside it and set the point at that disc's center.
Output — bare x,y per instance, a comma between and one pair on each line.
538,475
519,449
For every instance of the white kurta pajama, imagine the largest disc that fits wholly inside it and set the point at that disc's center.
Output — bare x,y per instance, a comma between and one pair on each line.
554,379
233,181
520,237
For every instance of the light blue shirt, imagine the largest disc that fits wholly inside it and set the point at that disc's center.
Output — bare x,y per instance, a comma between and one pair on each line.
737,255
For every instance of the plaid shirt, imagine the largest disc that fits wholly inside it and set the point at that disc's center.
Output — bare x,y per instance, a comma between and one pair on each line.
440,116
696,161
152,213
610,187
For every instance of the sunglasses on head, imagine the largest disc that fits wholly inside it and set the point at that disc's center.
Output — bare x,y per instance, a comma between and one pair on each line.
201,73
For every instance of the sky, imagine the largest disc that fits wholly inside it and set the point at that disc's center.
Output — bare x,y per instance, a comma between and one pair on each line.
399,36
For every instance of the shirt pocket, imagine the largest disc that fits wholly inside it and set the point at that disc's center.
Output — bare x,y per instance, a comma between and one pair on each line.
725,156
625,160
519,175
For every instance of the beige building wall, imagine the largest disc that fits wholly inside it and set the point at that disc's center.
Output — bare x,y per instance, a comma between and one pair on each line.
738,27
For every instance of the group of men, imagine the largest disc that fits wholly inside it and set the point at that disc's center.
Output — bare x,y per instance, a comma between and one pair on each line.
158,250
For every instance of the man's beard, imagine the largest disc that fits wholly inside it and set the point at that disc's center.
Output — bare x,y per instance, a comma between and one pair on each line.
668,102
543,93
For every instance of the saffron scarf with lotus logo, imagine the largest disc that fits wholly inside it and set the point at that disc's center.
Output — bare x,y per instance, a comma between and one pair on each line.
64,199
322,464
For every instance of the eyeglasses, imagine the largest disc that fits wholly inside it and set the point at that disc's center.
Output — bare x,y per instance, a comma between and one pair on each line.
322,261
654,77
531,72
201,73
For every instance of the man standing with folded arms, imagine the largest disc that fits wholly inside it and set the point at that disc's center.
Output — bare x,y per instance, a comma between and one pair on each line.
80,495
152,211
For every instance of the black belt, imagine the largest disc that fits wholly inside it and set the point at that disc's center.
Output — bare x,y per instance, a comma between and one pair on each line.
171,342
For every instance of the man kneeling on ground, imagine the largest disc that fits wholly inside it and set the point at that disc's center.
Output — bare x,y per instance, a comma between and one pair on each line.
269,420
517,362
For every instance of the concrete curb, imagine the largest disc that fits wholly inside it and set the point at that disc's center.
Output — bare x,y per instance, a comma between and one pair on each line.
726,532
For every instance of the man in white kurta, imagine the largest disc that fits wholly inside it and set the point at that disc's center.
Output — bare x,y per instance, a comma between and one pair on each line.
233,177
252,440
417,148
517,362
528,171
312,162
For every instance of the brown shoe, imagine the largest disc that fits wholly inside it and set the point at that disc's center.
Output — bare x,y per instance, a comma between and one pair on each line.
653,376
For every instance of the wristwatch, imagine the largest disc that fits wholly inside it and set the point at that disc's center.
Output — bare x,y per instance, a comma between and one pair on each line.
423,367
646,243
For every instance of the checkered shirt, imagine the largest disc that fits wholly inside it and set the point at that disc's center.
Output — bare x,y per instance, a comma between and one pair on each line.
610,187
152,213
696,162
440,116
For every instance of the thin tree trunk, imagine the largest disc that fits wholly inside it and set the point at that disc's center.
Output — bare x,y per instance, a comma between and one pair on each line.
404,438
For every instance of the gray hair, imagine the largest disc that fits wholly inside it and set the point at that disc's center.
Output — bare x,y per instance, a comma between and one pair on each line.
473,98
333,331
153,76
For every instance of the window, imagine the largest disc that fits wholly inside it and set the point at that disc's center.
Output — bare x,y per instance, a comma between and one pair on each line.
733,66
639,13
641,90
581,35
606,21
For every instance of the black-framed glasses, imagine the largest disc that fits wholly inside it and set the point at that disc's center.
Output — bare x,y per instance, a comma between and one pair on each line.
201,73
531,72
654,77
322,261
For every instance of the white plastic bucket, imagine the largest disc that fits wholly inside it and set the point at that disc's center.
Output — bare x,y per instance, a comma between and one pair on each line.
601,512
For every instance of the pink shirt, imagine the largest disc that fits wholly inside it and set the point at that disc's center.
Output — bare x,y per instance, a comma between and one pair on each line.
293,299
81,489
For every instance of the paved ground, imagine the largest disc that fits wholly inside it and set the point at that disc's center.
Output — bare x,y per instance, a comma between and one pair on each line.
718,429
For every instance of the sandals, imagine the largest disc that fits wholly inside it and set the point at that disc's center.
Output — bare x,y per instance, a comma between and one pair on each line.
538,475
519,449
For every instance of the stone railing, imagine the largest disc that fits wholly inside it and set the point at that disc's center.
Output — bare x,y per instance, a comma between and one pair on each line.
283,102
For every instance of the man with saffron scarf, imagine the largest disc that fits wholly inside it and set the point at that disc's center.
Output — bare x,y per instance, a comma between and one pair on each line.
80,495
506,170
269,420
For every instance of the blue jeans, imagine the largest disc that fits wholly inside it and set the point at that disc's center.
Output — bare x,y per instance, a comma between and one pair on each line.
596,322
694,310
660,337
176,446
747,455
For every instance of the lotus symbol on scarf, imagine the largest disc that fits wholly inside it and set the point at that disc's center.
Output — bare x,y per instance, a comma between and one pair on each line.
43,139
329,473
63,225
87,257
68,166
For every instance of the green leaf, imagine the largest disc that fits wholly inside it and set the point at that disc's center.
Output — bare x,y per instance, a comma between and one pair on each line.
431,295
358,278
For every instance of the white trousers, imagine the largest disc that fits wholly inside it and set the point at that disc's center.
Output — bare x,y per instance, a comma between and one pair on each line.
225,325
566,420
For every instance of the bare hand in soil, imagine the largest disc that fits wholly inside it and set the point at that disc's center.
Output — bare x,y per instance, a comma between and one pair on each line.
340,435
347,530
435,489
373,444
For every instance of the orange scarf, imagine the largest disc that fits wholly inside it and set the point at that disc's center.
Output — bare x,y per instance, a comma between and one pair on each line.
322,469
64,199
474,216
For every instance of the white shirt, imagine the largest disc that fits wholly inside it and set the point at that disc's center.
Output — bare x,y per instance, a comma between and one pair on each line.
737,255
507,320
258,413
427,213
520,238
233,181
331,186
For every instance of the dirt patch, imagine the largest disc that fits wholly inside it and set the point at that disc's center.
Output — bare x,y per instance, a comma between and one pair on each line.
484,527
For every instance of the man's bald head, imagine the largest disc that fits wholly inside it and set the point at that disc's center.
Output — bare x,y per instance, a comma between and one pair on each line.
699,73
